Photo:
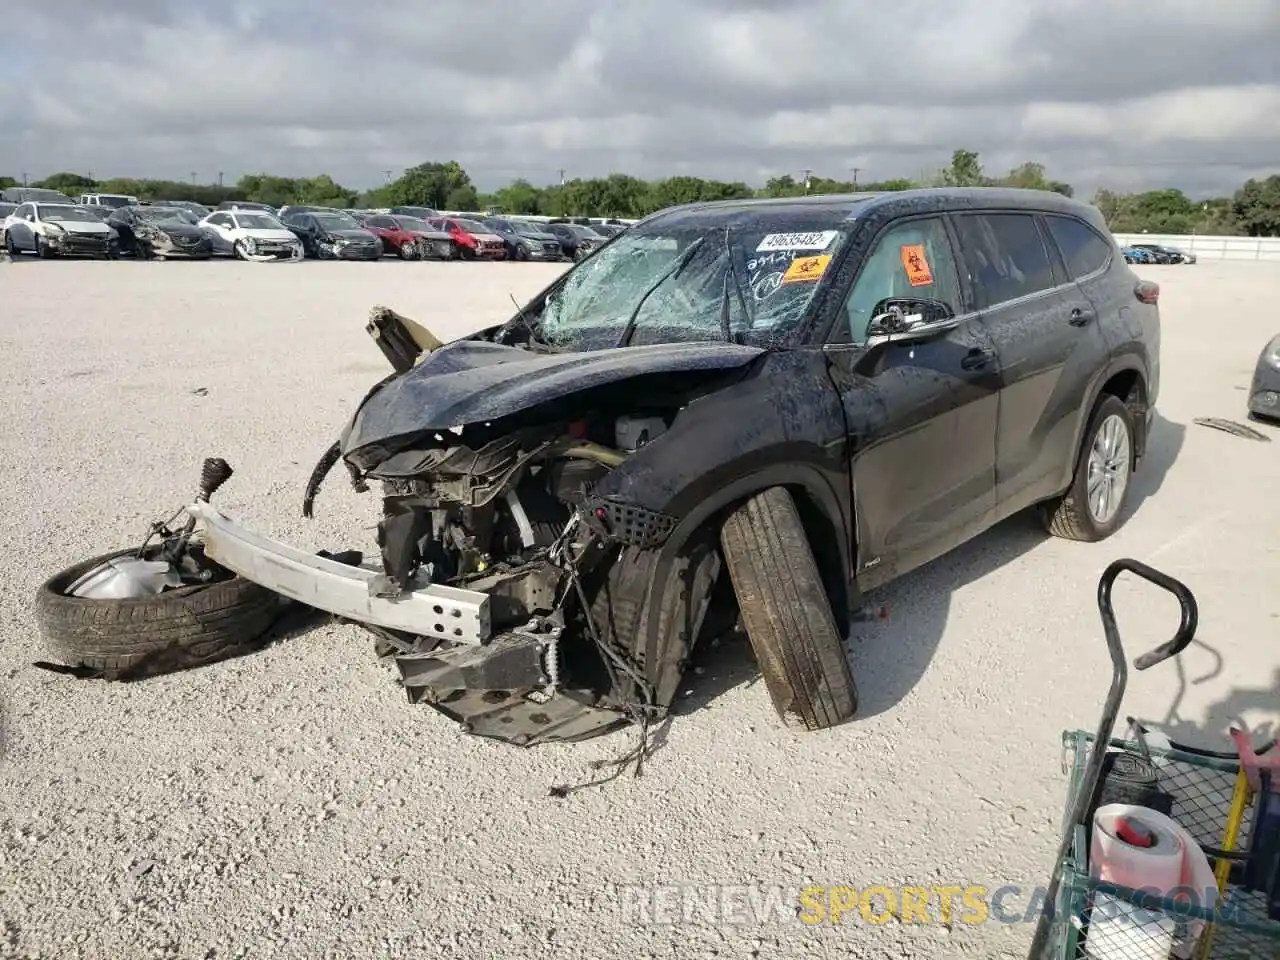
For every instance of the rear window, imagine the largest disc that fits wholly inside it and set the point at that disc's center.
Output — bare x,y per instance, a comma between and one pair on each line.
1084,251
1006,255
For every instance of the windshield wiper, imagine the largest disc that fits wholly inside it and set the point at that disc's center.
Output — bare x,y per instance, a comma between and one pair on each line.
680,262
731,273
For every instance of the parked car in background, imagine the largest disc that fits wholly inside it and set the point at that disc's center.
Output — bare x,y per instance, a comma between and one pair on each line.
247,205
160,232
334,235
6,209
1167,254
576,240
422,213
57,230
18,195
1264,391
524,240
112,200
289,209
408,237
1159,253
198,210
1137,255
251,235
608,229
471,240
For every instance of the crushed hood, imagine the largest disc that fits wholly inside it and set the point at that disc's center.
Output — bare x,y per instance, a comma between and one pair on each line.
474,381
82,226
269,234
351,233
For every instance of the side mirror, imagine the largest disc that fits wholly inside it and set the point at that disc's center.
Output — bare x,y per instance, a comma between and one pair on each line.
900,317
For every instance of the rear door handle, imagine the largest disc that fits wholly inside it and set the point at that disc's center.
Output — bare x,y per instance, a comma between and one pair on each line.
1081,315
976,359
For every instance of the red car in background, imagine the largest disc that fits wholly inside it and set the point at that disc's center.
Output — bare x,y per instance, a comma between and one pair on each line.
409,237
471,240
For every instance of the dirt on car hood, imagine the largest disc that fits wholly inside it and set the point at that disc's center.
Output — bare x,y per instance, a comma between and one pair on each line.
473,381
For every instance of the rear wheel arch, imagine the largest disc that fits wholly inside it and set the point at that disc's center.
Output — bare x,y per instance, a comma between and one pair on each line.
1128,384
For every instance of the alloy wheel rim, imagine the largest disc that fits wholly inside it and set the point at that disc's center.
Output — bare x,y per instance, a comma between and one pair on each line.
1108,469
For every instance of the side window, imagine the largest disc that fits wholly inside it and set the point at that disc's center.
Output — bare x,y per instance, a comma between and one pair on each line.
911,259
218,220
24,211
1083,250
1005,255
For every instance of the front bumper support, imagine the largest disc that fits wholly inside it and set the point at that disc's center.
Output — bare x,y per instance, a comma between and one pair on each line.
431,610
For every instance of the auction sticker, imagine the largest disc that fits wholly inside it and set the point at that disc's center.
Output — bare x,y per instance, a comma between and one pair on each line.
916,265
806,268
818,240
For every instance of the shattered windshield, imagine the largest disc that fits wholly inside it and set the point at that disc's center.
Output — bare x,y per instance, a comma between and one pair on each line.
257,221
68,214
163,214
336,221
779,257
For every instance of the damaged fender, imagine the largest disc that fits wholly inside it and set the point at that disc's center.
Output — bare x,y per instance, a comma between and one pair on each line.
781,426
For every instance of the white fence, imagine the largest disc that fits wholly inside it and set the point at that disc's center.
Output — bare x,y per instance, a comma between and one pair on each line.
1211,248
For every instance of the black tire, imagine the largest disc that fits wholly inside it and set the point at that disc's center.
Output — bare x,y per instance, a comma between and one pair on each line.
786,612
10,247
238,250
522,252
176,629
409,251
42,249
1069,516
453,253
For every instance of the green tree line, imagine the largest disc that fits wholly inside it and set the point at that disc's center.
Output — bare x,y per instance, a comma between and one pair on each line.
1253,210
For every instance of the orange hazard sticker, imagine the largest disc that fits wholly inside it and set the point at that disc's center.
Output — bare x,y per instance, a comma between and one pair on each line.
917,266
806,268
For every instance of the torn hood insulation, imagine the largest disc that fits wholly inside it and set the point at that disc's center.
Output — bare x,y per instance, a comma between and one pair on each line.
475,381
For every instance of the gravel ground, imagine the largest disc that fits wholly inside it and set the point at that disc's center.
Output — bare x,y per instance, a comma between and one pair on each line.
291,803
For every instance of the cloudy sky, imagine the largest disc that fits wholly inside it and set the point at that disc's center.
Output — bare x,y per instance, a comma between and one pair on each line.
1104,92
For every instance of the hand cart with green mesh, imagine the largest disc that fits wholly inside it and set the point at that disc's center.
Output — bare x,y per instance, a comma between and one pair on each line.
1208,793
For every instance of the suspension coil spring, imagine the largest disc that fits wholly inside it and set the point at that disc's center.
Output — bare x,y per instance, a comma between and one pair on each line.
553,664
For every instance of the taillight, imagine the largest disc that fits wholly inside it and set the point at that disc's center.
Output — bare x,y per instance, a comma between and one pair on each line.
1147,292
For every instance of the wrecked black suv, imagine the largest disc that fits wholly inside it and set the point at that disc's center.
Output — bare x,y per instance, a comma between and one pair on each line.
770,404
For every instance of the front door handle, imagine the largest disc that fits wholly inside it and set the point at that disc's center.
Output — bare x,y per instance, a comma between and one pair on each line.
976,359
1081,315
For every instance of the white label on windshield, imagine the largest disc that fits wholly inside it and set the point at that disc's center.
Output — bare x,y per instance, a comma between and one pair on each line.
797,241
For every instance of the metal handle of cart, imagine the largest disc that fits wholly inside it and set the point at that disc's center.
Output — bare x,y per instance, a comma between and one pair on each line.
1088,793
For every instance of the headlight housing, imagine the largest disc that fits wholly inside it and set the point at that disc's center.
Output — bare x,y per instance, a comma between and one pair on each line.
1271,353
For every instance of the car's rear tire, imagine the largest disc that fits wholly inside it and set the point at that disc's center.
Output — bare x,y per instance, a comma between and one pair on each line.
1093,507
786,612
179,628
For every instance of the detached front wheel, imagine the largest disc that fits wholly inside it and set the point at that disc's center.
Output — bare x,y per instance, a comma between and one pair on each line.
139,636
786,612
